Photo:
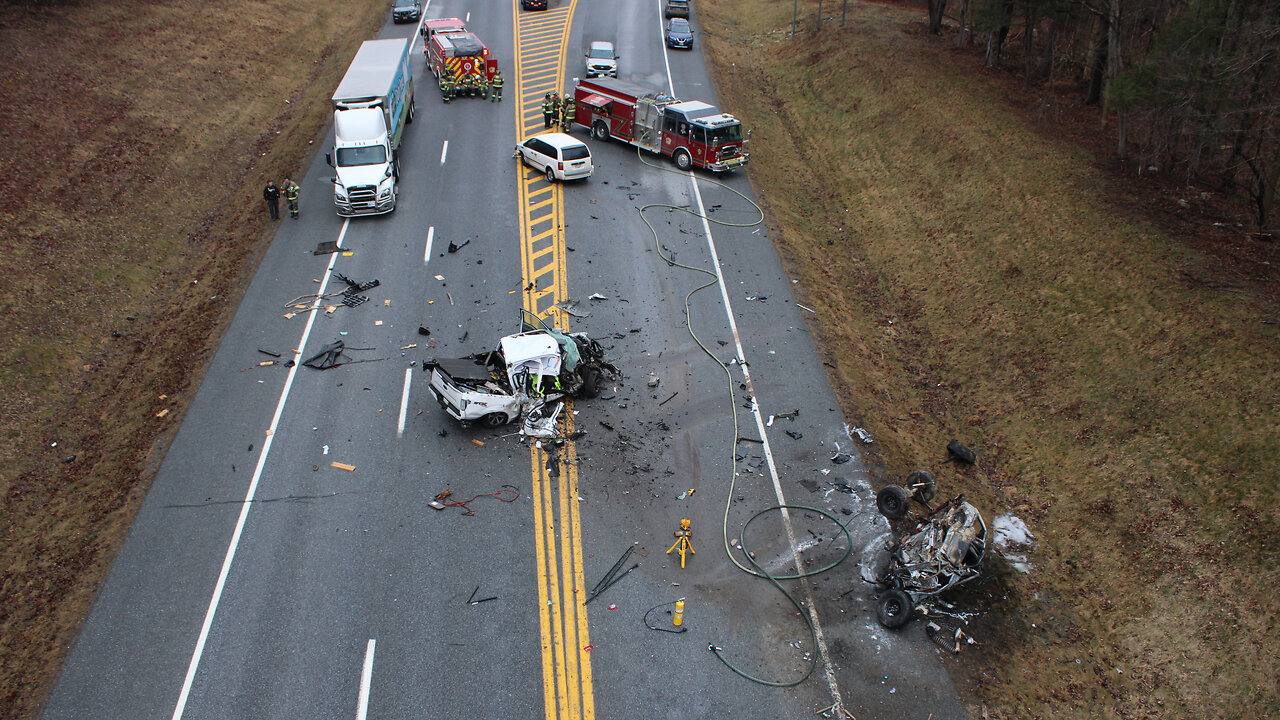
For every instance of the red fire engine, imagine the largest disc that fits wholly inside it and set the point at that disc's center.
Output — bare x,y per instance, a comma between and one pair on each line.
447,25
693,133
459,55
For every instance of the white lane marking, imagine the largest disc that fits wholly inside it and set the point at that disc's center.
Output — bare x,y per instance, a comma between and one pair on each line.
404,400
249,495
366,677
444,151
468,17
830,672
431,233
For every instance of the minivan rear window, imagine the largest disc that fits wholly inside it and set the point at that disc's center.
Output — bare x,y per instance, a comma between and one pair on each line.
575,152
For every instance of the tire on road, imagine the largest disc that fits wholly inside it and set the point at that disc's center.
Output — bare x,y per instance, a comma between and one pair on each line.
893,502
894,608
551,174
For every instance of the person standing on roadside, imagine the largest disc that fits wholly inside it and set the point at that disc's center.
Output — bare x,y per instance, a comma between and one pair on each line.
271,194
291,190
567,113
555,108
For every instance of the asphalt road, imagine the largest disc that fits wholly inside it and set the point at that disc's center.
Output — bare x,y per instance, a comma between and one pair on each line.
260,582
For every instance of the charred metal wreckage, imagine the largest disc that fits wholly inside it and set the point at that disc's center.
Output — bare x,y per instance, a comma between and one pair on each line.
525,376
942,550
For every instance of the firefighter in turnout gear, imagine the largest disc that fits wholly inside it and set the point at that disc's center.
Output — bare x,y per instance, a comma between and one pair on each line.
446,88
548,111
291,190
567,114
483,90
555,108
497,87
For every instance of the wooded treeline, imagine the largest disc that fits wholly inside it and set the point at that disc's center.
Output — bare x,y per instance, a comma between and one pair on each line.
1193,86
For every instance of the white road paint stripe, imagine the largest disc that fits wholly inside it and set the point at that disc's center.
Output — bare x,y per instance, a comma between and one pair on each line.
431,233
249,494
444,151
366,677
832,686
404,400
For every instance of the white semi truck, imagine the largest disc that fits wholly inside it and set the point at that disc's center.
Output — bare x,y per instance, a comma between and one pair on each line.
371,106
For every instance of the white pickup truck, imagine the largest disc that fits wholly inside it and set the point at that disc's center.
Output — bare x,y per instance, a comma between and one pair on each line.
538,365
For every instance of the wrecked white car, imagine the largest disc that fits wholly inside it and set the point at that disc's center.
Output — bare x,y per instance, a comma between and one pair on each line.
524,373
942,550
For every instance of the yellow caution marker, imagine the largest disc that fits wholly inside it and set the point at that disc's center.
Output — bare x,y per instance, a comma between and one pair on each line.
678,618
682,542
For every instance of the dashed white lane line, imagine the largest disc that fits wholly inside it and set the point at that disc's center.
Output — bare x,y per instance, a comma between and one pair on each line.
366,679
404,400
444,152
431,234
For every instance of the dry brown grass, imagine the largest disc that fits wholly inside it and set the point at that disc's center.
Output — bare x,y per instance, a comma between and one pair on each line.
138,138
977,277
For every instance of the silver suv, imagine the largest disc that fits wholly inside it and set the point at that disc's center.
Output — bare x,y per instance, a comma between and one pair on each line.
602,60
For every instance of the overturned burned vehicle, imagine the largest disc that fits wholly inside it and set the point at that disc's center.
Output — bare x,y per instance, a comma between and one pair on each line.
528,370
943,549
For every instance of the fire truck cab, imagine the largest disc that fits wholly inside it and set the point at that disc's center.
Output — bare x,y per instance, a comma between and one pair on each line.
459,55
445,25
692,133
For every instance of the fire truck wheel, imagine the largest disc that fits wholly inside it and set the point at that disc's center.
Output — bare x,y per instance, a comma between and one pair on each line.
494,420
412,108
600,131
683,161
551,174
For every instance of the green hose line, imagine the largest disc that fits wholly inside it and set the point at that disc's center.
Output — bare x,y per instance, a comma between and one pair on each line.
755,569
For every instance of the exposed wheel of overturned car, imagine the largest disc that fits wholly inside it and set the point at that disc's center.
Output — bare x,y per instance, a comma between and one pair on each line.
893,502
494,420
592,380
894,608
923,485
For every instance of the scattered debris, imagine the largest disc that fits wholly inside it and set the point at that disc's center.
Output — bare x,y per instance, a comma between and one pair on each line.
477,442
162,413
507,494
455,248
841,458
612,577
596,296
863,435
805,308
472,600
342,466
327,247
269,353
422,330
664,402
794,435
653,380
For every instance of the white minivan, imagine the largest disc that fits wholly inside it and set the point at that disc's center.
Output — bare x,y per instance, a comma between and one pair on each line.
559,156
602,60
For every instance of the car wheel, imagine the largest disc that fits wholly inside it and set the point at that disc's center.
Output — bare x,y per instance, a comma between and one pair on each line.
600,130
894,608
551,174
494,420
683,160
591,381
893,502
412,109
923,485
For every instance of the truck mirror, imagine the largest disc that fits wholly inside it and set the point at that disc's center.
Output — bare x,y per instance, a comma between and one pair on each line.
333,180
328,159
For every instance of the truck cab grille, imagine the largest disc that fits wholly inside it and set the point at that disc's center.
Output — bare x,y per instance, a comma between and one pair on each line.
362,194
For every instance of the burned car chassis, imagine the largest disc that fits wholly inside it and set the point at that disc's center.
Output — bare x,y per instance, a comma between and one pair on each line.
942,550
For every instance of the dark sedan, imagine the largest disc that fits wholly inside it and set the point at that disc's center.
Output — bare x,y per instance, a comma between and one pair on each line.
679,34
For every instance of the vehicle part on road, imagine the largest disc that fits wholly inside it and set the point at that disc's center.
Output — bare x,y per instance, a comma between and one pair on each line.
612,577
682,541
455,248
894,608
681,628
893,502
960,452
501,494
327,357
268,352
473,601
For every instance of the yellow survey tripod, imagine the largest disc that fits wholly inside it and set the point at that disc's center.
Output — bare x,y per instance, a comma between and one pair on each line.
682,541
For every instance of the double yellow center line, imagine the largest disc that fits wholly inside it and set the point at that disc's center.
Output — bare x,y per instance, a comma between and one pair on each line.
540,44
